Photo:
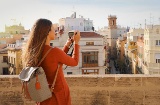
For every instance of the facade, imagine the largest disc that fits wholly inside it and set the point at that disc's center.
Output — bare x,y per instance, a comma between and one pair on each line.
4,67
16,29
92,55
130,49
131,52
140,54
74,23
14,55
132,37
121,41
151,63
14,59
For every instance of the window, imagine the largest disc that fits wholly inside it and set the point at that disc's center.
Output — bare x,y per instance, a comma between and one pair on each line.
157,42
89,43
81,24
157,60
157,31
90,71
14,61
22,38
89,59
69,73
113,22
5,59
5,71
9,59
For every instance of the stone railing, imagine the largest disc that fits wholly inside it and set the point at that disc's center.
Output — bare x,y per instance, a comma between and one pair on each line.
94,90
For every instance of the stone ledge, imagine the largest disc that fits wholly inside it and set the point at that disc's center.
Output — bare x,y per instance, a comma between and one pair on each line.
108,75
94,90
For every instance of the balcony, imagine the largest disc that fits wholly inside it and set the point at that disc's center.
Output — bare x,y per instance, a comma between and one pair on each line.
154,65
13,46
94,90
131,47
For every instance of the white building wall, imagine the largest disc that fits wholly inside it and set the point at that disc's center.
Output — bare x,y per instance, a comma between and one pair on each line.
80,24
151,49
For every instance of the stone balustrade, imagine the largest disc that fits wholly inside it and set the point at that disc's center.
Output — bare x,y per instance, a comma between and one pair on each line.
94,90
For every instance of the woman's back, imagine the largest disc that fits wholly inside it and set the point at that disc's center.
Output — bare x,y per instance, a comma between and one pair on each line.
61,94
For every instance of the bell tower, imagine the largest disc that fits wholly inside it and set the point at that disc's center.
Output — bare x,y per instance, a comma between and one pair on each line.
112,22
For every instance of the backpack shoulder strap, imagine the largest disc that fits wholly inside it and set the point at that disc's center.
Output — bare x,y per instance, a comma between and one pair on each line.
54,81
44,57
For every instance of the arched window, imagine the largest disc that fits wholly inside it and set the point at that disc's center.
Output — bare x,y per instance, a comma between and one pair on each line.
112,22
157,31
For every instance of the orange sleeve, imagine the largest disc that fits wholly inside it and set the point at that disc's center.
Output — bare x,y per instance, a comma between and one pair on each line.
65,49
67,60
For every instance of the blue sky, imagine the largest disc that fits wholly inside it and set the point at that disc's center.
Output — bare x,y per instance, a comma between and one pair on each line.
129,12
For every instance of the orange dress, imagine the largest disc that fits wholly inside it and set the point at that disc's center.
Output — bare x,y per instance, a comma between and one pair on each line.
61,93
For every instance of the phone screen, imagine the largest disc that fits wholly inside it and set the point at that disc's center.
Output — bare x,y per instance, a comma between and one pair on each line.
70,34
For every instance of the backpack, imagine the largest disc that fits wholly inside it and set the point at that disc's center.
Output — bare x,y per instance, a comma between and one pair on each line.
34,82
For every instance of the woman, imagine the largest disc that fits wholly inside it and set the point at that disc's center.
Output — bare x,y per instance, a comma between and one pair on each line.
38,44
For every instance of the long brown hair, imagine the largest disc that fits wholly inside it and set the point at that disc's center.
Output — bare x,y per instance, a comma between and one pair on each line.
31,54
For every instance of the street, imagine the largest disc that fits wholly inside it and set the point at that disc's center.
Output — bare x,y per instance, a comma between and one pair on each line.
113,69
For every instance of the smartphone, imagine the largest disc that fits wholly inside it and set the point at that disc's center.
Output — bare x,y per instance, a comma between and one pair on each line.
70,34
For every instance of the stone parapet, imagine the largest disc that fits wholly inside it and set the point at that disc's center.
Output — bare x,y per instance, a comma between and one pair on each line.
94,90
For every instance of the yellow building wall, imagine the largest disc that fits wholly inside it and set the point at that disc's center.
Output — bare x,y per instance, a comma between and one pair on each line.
14,57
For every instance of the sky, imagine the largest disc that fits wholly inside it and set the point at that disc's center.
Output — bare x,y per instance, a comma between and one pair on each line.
129,12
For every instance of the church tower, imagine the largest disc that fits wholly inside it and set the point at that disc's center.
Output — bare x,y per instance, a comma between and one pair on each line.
112,35
112,22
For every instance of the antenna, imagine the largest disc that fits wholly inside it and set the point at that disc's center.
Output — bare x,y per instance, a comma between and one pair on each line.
14,21
145,24
153,21
150,18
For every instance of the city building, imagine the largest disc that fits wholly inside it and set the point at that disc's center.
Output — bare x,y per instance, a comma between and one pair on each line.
92,55
151,63
14,59
130,49
16,29
74,23
14,55
140,55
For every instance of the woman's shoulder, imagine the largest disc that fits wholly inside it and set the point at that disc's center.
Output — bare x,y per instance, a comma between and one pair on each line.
54,49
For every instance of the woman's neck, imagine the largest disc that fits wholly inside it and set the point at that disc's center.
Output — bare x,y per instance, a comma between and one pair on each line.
47,42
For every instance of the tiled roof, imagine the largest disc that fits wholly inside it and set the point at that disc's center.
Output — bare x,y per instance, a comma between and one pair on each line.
90,35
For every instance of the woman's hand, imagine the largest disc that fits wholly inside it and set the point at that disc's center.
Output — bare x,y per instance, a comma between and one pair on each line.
76,37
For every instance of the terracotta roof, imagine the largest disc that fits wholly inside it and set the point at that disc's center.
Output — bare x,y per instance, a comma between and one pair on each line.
2,51
90,35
